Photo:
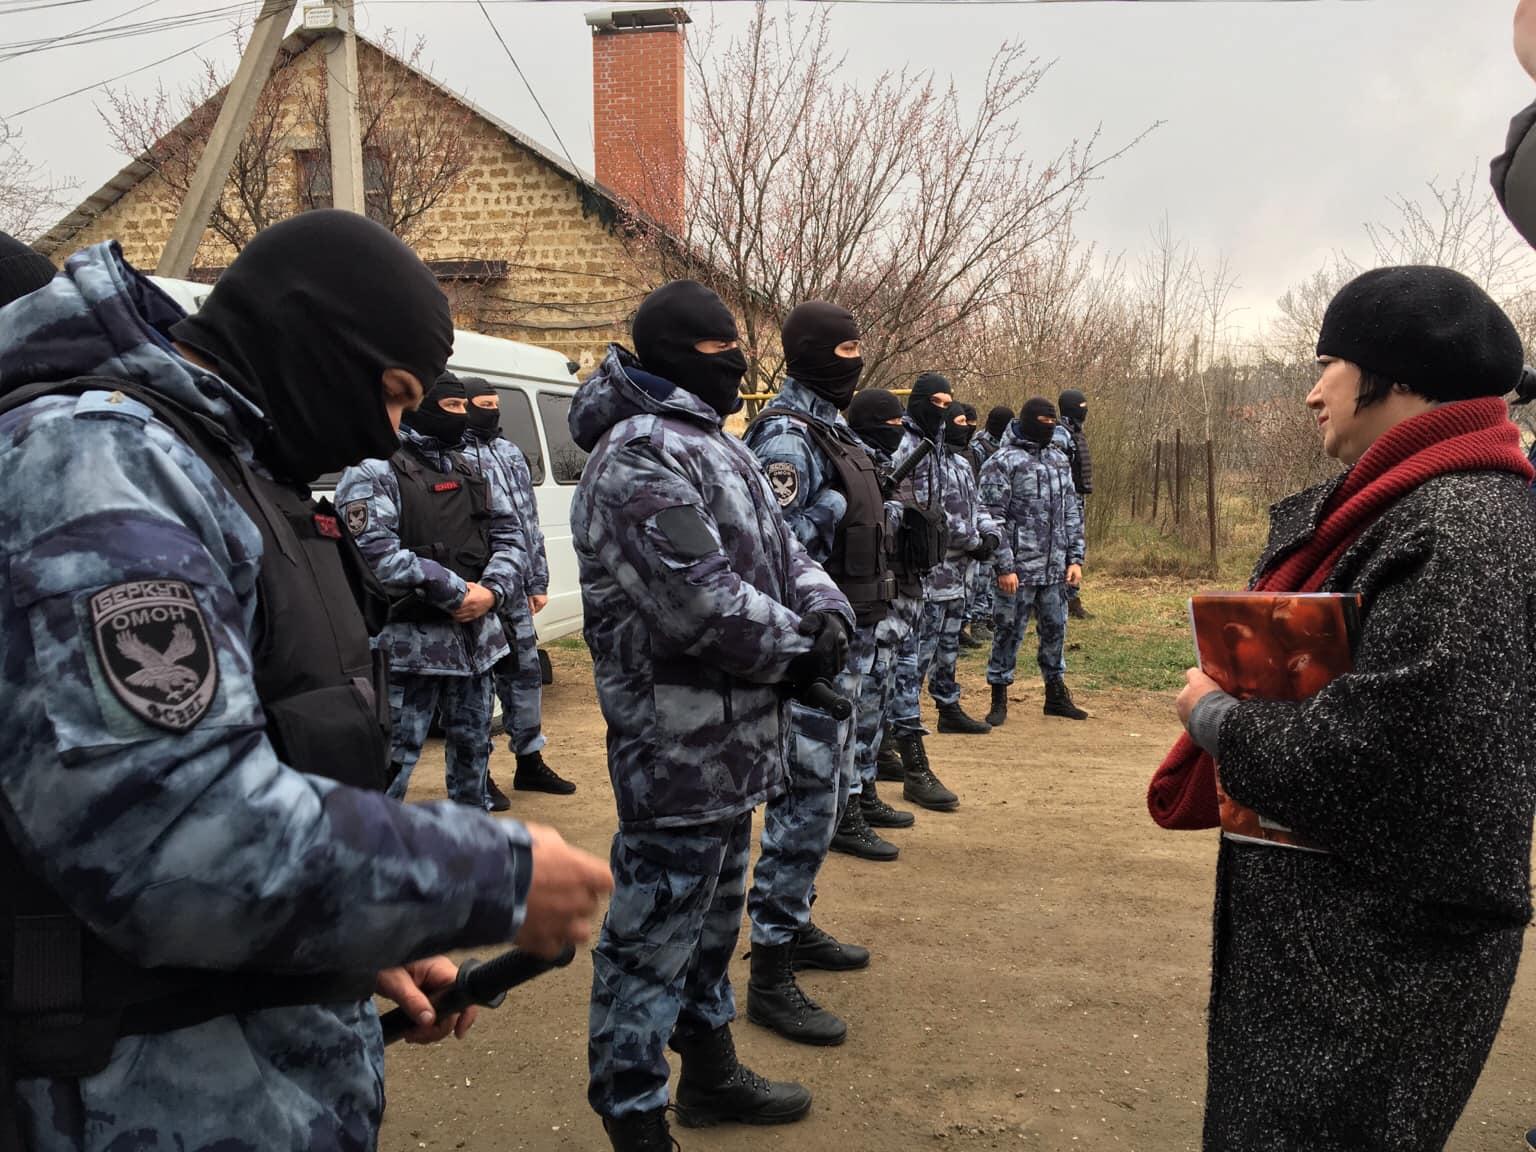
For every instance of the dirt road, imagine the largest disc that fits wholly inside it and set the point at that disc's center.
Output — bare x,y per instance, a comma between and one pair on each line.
1041,961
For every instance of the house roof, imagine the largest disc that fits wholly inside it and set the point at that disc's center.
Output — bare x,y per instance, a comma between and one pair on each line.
132,174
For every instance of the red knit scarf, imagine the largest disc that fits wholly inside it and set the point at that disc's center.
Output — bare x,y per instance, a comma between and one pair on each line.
1468,436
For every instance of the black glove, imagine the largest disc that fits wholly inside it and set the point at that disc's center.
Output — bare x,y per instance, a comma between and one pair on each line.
990,543
830,652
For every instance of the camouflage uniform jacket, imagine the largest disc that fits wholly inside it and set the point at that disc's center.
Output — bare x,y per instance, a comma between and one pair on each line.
369,498
982,448
693,588
968,523
802,478
503,463
1028,491
193,848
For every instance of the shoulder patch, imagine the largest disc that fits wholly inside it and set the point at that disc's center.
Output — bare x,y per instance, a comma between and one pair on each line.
786,482
686,531
153,647
356,512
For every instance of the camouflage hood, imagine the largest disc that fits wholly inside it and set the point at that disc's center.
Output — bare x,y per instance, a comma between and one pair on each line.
621,388
103,317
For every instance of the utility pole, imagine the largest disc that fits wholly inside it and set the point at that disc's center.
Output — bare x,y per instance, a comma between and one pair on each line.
348,189
228,130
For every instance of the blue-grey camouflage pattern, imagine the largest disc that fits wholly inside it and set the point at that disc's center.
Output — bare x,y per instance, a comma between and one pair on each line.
876,683
1048,604
503,464
983,447
433,647
804,483
968,524
195,848
978,605
692,588
939,648
798,825
520,681
1028,491
663,957
904,714
464,703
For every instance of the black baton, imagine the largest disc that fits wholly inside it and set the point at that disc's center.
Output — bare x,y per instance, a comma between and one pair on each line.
822,696
484,984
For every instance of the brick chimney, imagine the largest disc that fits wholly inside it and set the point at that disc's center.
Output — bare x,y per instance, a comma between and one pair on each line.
637,107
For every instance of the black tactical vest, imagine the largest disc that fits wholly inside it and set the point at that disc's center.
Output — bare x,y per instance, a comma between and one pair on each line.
65,995
922,538
859,563
444,516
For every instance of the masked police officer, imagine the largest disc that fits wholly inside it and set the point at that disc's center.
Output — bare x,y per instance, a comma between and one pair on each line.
518,676
203,876
701,610
449,546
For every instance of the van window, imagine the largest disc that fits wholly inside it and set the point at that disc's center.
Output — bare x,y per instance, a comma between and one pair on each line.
517,426
566,459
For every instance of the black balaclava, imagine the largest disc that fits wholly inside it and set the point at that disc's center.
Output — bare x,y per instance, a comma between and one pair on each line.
1037,422
304,323
811,335
23,270
484,423
867,416
447,428
1073,405
998,420
920,406
957,436
667,325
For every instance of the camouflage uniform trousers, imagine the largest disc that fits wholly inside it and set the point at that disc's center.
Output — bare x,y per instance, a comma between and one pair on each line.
979,596
798,824
939,649
520,682
879,687
662,960
465,702
905,711
1048,603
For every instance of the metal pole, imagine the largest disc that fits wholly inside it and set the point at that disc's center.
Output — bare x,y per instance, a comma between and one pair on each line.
228,130
348,189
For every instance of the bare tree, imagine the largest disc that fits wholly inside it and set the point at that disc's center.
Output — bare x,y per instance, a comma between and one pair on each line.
891,199
30,199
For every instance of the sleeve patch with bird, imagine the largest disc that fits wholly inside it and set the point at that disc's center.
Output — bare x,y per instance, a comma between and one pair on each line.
153,649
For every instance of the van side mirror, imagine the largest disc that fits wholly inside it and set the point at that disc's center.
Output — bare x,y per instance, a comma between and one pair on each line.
572,367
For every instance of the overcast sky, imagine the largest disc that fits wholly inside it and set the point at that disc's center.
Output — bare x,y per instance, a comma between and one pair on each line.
1287,124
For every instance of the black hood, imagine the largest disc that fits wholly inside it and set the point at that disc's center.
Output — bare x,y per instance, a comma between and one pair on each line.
305,322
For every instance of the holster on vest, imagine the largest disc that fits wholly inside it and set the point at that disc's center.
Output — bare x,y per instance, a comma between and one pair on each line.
921,539
859,564
444,517
66,996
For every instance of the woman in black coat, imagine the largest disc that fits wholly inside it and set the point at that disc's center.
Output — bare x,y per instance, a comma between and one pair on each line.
1357,990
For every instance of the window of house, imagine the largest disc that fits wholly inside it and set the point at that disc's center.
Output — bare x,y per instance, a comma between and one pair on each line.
313,181
566,459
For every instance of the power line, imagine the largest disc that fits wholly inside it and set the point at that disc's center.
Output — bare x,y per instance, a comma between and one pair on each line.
119,76
98,35
537,103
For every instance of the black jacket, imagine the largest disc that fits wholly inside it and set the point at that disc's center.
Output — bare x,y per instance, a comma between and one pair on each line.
1082,459
1514,175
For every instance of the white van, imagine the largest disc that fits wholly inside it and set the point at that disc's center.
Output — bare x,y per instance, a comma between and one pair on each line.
536,386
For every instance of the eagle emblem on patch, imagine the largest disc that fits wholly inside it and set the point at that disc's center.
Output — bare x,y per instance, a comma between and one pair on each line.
356,513
785,481
153,646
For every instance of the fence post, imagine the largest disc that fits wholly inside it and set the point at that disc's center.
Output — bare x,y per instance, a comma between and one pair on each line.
1178,473
1157,473
1210,498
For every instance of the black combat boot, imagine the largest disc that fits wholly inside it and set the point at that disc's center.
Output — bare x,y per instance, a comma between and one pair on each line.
641,1132
776,1002
499,799
952,718
1076,610
817,949
921,786
998,716
967,639
533,775
879,814
1058,701
716,1088
855,837
982,631
888,765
